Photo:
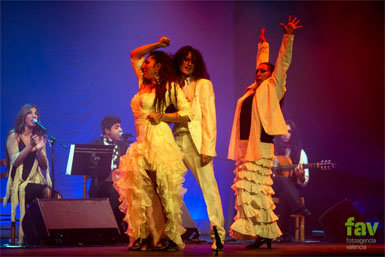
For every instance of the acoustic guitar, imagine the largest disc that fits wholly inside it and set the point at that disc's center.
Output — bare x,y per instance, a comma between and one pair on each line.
283,165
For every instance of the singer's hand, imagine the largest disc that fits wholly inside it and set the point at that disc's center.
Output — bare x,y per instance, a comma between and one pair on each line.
34,140
40,142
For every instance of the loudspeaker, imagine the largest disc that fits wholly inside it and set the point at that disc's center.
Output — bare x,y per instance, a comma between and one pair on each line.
69,222
333,220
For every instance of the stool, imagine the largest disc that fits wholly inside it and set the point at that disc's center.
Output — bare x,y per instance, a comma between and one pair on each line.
299,222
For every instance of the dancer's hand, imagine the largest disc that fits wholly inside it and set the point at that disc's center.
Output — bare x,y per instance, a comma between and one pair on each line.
164,41
291,26
205,159
155,118
262,35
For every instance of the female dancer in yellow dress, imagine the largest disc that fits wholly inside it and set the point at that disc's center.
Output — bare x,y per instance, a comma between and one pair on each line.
149,178
258,118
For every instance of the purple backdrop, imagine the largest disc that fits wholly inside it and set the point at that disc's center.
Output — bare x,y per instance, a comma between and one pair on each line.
72,60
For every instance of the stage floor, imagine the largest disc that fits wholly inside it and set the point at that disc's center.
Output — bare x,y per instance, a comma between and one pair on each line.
231,249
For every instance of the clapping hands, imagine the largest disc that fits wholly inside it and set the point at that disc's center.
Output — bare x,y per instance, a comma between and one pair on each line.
38,142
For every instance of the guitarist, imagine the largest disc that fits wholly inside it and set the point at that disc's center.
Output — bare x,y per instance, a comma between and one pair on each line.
288,187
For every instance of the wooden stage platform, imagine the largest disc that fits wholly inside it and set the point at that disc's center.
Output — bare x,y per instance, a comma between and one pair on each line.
233,249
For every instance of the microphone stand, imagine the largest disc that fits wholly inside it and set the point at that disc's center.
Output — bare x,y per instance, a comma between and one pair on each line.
52,141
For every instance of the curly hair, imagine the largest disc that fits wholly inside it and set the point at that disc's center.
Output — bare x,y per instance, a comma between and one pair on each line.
166,75
199,71
20,119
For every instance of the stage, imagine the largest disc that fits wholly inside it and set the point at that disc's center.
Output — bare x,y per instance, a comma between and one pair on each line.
235,248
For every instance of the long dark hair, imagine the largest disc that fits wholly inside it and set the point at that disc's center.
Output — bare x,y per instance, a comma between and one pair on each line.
200,71
294,143
20,119
166,75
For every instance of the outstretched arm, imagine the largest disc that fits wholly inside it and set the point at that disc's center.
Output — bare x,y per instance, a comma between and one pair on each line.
141,51
282,64
263,49
137,55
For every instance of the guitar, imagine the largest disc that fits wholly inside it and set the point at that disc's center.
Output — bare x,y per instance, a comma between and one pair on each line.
283,164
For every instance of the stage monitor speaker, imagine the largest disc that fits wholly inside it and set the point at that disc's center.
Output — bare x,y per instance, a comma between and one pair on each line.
69,222
333,220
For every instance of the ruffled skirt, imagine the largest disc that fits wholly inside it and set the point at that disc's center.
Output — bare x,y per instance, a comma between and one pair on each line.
149,181
254,205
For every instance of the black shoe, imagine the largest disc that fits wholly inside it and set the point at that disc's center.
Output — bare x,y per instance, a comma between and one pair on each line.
172,247
217,247
259,242
283,239
141,244
166,244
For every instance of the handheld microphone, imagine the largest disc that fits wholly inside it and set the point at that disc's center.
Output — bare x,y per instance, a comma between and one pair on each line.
39,124
125,135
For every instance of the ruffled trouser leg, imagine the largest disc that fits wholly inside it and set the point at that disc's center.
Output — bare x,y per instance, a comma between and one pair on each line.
254,205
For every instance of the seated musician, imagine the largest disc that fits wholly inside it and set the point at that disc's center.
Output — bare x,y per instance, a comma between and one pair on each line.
28,167
288,186
103,188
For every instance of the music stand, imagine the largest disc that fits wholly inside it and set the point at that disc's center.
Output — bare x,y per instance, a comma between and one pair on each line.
90,160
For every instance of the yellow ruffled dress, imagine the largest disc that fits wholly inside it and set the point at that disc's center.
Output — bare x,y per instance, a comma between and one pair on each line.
151,210
254,205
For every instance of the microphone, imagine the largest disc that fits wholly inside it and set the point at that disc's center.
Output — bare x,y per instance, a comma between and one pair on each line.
39,124
125,135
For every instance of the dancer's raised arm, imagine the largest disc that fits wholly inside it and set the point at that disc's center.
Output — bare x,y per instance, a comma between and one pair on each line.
141,51
263,49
